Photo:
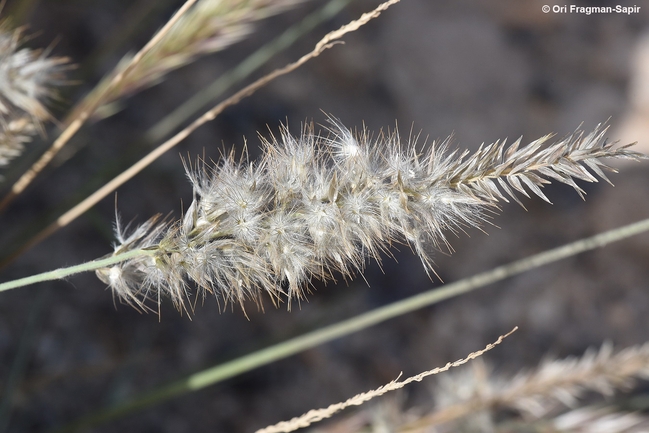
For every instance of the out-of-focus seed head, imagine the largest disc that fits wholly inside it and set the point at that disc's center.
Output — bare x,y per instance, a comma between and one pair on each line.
14,134
27,81
27,77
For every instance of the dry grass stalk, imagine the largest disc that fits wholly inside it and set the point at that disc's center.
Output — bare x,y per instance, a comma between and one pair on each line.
208,27
543,392
466,400
327,42
318,415
81,117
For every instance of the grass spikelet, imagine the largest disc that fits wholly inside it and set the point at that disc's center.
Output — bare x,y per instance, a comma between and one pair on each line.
545,399
319,205
317,415
543,393
14,134
209,26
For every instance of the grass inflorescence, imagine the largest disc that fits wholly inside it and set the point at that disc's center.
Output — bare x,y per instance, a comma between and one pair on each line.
28,79
319,205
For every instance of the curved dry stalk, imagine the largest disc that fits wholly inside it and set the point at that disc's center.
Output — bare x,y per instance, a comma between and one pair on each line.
327,42
317,415
539,392
83,116
210,26
204,97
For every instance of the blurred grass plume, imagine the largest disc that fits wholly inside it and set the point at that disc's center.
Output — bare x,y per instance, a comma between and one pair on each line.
209,26
28,79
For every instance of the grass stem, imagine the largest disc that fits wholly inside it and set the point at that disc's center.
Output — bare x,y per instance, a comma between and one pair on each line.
323,335
58,274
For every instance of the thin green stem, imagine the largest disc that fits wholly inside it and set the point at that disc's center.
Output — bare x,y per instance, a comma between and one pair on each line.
312,339
57,274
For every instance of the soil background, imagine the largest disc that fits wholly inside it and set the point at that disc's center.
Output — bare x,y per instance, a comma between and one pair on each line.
480,70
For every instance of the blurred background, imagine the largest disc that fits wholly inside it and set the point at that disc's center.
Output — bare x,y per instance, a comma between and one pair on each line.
480,70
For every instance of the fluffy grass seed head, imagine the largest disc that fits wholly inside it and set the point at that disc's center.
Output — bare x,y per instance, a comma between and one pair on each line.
27,77
315,206
27,81
14,134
